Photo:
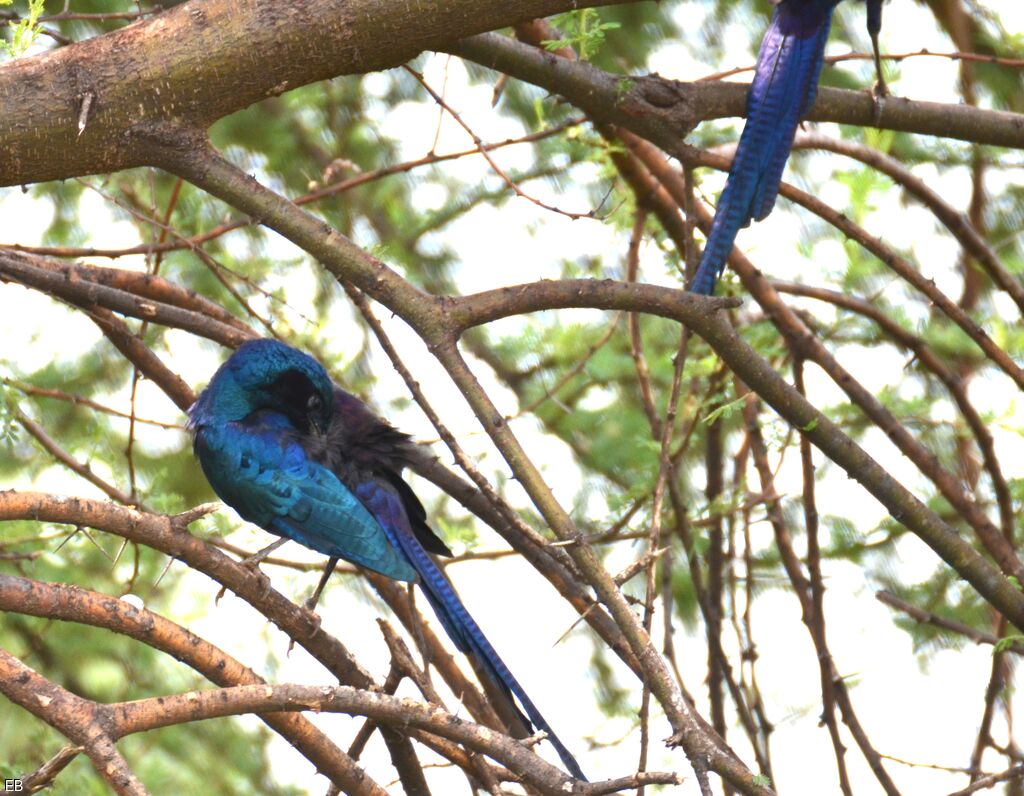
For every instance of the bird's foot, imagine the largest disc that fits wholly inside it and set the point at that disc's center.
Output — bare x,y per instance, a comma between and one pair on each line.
253,562
879,92
313,620
310,605
315,625
312,617
264,581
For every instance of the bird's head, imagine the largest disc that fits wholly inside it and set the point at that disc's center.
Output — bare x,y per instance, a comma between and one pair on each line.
267,374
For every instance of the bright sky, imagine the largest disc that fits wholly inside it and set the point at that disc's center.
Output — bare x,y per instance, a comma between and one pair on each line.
514,605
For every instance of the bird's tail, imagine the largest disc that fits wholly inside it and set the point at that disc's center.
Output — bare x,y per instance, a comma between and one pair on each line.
783,89
728,220
469,638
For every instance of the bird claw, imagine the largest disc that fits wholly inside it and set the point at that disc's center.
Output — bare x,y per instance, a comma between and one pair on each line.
314,620
264,581
879,94
252,563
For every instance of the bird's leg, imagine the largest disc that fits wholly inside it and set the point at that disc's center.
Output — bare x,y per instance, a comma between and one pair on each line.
880,90
310,604
253,561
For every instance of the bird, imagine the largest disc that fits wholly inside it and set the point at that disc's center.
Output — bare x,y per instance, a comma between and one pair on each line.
783,90
300,457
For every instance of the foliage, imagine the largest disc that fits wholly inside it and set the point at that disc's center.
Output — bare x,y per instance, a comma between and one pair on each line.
583,31
567,381
25,31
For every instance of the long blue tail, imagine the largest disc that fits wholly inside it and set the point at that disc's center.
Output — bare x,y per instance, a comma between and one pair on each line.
385,503
784,86
469,638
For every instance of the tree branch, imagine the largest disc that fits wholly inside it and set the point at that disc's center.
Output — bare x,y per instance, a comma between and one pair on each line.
127,718
206,59
73,604
663,111
77,719
169,535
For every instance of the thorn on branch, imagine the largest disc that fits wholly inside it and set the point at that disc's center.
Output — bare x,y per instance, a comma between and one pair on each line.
181,521
83,113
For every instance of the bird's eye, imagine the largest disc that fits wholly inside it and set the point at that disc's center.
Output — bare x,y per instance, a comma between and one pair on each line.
314,404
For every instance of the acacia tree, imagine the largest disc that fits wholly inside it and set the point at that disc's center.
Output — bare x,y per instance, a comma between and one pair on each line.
701,430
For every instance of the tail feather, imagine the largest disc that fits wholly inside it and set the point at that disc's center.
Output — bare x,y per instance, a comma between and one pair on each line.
785,82
385,502
469,638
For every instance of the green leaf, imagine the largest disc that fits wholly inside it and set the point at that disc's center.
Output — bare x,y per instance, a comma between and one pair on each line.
725,410
25,31
582,30
1006,642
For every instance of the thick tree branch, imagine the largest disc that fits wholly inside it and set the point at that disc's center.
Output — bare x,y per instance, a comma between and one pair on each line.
77,719
126,718
206,59
73,604
86,286
170,536
663,111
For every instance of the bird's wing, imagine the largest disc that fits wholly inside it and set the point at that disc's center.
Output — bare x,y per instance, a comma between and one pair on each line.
265,474
417,516
785,82
360,443
385,502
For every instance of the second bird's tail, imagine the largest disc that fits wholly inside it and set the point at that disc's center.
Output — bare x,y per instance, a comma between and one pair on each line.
783,89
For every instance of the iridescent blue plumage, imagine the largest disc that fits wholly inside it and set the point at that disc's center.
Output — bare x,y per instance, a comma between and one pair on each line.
298,456
783,90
